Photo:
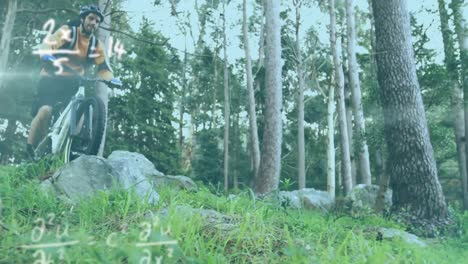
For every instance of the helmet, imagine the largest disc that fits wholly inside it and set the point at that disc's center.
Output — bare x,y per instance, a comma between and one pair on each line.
87,9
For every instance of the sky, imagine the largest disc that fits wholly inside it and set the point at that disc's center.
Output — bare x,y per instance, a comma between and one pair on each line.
160,15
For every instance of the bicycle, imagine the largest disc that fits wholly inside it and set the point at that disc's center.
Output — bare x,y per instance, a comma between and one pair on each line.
79,128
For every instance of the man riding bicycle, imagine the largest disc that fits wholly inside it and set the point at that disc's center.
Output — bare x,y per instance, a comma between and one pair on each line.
76,48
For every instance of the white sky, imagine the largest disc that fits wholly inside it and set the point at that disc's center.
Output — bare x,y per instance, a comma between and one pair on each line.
310,17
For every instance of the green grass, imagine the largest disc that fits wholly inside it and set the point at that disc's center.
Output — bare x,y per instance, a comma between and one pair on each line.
108,227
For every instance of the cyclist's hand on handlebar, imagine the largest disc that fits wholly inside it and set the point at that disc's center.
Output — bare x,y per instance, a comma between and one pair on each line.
114,83
48,64
49,58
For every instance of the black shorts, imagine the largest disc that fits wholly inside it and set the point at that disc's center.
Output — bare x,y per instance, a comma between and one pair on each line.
54,90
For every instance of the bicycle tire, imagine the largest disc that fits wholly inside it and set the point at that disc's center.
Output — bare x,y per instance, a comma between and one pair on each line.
88,140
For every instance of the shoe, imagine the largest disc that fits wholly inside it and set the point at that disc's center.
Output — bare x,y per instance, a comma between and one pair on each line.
31,153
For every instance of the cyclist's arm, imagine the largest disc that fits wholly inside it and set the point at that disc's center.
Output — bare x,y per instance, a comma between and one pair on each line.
55,41
103,67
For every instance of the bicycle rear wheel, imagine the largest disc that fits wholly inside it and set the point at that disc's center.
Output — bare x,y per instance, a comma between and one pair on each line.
90,121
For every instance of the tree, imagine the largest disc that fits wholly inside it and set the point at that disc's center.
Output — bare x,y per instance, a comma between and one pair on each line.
142,116
226,105
339,82
7,32
412,168
253,130
300,100
360,137
270,163
456,91
462,33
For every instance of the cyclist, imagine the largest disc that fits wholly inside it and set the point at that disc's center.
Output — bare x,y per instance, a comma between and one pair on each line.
77,48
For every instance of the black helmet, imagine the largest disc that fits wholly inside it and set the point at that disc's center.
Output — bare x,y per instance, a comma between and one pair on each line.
87,9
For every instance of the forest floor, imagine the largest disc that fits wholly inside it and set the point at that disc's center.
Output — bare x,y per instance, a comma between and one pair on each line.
117,227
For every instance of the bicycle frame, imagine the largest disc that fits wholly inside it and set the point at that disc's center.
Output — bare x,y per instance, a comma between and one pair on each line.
62,127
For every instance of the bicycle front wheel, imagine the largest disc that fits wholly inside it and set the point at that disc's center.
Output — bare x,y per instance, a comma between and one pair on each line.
90,122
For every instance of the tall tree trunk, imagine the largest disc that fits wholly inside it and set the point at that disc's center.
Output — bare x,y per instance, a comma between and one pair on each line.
379,153
360,135
339,82
182,103
300,102
226,105
462,37
331,142
8,135
236,133
349,124
412,167
7,33
101,88
215,89
348,102
255,149
270,164
457,93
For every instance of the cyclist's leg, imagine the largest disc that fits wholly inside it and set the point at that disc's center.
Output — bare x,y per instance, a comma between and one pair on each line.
41,111
40,125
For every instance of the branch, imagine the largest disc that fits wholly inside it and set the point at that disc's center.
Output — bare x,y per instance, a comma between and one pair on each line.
135,38
47,10
106,6
115,11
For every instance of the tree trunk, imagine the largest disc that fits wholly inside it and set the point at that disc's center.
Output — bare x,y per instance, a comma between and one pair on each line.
255,149
360,134
8,135
300,103
331,143
236,136
270,164
462,35
182,104
412,167
457,93
226,106
348,103
7,33
339,81
349,125
101,88
215,90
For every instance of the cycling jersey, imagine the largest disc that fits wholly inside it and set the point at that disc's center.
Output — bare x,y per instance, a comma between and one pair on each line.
78,56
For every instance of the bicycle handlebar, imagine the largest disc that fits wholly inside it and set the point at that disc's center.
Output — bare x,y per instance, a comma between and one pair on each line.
114,82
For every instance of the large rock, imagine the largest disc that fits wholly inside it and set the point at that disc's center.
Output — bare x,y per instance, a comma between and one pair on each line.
134,166
307,198
135,171
83,177
179,182
86,175
362,198
211,218
391,233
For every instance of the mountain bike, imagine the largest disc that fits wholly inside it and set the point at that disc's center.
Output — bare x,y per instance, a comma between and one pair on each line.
79,128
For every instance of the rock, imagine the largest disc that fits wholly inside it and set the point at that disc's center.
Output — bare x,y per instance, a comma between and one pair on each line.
179,182
390,233
87,175
307,198
315,199
290,199
133,163
212,218
135,171
362,198
83,177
